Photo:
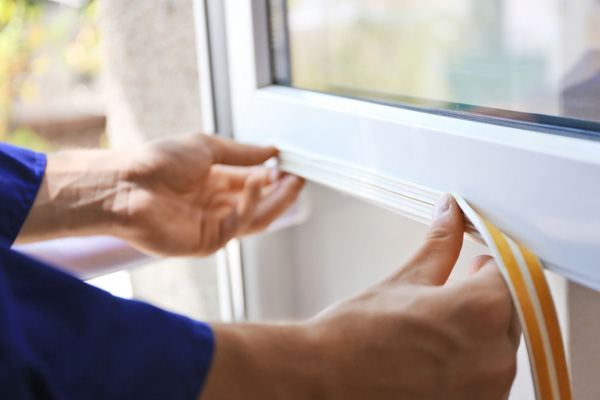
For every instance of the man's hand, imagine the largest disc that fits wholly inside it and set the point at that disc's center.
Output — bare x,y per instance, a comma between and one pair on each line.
190,195
185,195
408,337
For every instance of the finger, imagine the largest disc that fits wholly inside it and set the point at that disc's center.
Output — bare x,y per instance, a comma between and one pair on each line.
477,263
489,265
486,275
250,199
246,207
435,258
488,280
276,202
450,281
490,274
228,152
514,329
235,177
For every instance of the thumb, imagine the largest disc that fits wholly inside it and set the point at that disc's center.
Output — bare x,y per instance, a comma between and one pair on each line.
435,258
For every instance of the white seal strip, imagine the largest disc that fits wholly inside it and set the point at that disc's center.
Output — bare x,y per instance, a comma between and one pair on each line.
521,270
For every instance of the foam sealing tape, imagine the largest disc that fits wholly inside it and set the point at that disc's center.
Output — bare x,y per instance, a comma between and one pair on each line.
521,269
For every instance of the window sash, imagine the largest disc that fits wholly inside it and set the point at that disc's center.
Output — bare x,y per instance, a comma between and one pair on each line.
533,186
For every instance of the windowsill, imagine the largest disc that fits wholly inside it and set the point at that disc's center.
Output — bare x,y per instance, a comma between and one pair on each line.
87,257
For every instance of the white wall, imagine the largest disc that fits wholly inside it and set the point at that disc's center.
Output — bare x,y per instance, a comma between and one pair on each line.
344,246
584,341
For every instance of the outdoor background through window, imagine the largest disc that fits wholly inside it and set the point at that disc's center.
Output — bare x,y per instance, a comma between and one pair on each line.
534,58
50,94
52,97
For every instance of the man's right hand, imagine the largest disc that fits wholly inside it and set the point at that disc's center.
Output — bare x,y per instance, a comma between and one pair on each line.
408,337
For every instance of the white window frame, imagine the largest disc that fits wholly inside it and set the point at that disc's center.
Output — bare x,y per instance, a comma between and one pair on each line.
536,187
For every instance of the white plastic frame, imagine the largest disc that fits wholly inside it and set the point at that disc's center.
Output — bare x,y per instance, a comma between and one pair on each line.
539,188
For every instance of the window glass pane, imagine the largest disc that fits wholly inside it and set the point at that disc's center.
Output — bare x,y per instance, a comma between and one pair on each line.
534,60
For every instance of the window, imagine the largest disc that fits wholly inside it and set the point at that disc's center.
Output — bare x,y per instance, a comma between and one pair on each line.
538,188
533,186
468,58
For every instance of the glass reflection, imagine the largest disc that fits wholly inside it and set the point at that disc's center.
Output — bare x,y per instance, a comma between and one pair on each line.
535,57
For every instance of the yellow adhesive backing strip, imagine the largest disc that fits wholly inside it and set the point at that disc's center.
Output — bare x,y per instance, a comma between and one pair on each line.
522,270
553,328
530,323
526,281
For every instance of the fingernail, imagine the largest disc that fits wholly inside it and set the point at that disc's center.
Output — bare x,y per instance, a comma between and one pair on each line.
442,206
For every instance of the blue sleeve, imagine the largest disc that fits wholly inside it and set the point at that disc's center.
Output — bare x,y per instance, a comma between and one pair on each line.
21,172
63,339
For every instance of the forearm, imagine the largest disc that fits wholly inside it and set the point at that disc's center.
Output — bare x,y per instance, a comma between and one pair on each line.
80,195
255,361
186,195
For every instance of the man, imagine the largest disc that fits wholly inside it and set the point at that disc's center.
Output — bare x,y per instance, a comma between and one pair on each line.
408,337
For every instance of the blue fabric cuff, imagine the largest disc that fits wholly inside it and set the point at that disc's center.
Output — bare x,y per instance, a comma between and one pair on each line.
21,173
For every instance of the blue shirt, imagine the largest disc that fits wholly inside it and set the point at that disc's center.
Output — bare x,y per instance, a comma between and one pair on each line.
61,338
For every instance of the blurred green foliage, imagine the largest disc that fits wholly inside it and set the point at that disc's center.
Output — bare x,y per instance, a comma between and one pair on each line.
26,137
24,35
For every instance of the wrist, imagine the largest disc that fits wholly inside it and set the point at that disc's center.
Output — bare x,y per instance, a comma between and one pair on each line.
79,196
259,361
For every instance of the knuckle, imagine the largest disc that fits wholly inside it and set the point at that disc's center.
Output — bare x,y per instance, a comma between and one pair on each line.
437,234
442,231
440,240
